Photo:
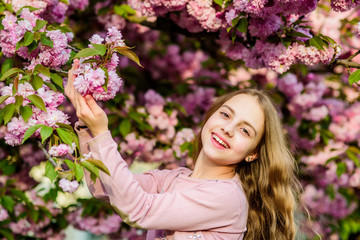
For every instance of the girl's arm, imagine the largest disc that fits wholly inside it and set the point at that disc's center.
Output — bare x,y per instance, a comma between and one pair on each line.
206,206
150,181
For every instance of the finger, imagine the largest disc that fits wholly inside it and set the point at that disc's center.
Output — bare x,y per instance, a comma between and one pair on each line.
83,108
93,105
71,73
69,88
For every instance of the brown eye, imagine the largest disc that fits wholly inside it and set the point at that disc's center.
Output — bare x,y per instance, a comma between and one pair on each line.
225,114
245,131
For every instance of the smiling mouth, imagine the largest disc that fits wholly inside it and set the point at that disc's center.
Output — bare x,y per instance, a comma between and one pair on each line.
221,142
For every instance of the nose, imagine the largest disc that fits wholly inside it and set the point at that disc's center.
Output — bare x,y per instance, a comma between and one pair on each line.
228,130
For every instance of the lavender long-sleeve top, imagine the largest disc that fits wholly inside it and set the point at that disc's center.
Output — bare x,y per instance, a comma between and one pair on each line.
187,208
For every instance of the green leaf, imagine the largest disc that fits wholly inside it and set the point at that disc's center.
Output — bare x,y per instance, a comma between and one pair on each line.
37,82
19,44
123,10
31,9
87,52
3,98
19,194
100,48
79,172
294,33
6,233
33,46
66,127
125,127
69,163
18,102
317,42
219,2
91,168
235,21
242,26
10,73
26,112
327,38
99,164
40,24
57,79
353,157
50,171
28,38
46,41
51,86
44,70
45,132
64,136
184,146
7,64
128,53
341,168
31,131
354,77
9,111
34,214
37,101
8,203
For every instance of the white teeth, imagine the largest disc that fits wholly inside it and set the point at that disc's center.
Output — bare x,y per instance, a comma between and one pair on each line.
220,141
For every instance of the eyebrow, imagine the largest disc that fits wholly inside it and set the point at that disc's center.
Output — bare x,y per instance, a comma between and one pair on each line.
246,122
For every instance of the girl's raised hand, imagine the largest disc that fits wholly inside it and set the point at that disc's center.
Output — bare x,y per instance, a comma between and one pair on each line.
86,107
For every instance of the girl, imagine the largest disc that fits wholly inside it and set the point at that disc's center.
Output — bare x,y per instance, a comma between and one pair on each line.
243,184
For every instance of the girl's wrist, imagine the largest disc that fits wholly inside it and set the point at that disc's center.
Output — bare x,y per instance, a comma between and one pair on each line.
96,133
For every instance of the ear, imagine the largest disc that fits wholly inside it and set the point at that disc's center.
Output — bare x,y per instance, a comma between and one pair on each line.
252,157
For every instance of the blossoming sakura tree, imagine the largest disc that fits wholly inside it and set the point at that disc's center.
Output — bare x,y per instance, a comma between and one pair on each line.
305,52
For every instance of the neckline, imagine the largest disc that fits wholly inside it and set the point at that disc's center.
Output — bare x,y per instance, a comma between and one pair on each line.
186,176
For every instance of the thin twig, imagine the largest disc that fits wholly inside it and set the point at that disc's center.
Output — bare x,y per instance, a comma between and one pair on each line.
51,160
354,55
74,49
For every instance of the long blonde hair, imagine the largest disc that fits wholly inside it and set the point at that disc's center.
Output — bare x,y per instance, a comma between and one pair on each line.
269,182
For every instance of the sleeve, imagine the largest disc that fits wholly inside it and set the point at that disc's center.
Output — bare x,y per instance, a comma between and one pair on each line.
149,181
152,180
96,188
197,209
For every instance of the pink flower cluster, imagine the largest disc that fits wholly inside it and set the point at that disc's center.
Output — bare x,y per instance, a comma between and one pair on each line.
203,11
91,77
3,214
260,8
177,65
159,119
277,57
61,150
197,101
181,137
14,30
51,10
343,5
156,7
103,224
319,203
25,226
346,124
68,186
17,127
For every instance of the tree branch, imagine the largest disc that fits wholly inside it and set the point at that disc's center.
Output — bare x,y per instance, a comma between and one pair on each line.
347,63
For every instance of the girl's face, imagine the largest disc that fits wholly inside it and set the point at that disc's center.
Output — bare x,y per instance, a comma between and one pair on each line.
233,131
